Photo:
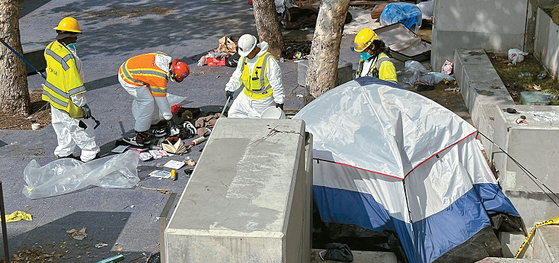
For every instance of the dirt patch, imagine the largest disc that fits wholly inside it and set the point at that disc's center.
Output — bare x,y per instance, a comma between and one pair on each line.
524,76
448,95
40,113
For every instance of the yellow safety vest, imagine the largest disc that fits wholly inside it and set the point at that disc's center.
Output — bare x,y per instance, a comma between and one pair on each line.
257,85
63,79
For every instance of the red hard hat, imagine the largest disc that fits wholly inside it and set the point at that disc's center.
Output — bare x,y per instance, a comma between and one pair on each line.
179,70
250,2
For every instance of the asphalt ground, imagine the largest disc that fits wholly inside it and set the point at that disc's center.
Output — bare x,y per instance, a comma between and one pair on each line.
113,31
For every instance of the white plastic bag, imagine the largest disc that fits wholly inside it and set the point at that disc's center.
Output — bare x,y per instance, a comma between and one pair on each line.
516,55
419,76
67,175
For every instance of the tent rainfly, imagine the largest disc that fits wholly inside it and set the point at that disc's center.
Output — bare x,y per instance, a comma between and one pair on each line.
388,159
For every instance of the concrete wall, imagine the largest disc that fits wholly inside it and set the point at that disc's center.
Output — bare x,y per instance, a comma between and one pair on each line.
493,25
546,44
531,21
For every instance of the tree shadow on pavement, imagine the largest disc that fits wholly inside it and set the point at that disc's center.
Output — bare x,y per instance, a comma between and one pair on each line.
53,241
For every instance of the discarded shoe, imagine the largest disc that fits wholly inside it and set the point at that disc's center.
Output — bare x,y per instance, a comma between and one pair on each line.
133,141
160,133
140,140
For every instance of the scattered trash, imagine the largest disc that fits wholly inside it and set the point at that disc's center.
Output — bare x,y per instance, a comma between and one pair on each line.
174,145
26,254
227,46
35,126
537,87
423,77
160,174
60,176
161,190
215,57
174,175
100,245
120,149
516,55
145,156
154,258
115,258
336,252
447,67
17,216
521,120
158,154
542,74
77,234
190,162
188,171
405,13
174,164
455,89
524,74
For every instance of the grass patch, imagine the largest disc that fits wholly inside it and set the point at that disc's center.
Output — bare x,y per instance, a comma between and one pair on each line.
511,76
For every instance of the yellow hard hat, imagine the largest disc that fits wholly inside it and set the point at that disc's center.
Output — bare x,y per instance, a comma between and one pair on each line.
364,39
68,24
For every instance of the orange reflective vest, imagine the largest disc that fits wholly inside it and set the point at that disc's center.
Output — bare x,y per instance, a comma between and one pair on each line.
142,70
256,85
63,79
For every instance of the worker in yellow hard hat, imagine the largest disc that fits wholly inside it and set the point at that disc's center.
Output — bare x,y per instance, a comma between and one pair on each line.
374,61
64,90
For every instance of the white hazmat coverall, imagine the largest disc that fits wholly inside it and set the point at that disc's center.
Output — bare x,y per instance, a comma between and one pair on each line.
246,107
67,129
146,108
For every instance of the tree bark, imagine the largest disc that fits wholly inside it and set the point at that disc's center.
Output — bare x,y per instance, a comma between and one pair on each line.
322,70
14,95
267,26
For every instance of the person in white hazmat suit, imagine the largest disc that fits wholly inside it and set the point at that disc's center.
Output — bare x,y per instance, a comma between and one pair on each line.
145,77
260,74
64,90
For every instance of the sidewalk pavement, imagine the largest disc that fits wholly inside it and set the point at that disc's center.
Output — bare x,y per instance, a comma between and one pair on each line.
113,31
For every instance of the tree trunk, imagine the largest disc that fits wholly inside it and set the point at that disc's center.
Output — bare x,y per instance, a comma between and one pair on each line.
267,26
14,95
322,70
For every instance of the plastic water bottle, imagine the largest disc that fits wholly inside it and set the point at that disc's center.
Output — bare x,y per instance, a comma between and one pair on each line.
524,74
542,75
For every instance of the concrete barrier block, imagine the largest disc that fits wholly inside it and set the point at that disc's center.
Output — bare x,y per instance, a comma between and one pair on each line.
34,54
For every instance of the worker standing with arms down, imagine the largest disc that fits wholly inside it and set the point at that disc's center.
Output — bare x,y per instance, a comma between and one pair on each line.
64,90
145,77
374,61
260,74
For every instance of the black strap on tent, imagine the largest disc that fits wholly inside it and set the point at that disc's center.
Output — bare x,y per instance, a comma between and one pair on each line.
532,177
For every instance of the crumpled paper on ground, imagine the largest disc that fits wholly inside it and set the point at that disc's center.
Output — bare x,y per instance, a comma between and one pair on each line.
78,234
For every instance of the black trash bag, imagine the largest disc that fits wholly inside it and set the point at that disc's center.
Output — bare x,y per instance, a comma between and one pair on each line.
336,252
232,61
154,258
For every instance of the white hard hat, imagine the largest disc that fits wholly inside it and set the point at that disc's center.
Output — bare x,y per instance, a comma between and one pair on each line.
247,43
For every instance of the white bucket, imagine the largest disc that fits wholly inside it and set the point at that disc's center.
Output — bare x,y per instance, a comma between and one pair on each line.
272,113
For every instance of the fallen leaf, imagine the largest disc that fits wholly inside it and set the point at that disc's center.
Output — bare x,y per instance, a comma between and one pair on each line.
537,87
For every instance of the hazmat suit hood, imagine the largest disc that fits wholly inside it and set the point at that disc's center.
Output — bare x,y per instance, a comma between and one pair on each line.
263,49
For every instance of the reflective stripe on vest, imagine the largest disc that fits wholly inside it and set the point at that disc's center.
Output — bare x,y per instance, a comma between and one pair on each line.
63,79
142,70
256,84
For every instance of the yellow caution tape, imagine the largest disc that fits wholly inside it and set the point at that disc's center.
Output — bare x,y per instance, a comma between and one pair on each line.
18,215
520,252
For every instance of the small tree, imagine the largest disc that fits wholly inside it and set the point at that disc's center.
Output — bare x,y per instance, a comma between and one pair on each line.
267,25
14,95
322,70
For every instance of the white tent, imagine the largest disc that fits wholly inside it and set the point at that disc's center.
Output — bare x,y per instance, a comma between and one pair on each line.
390,159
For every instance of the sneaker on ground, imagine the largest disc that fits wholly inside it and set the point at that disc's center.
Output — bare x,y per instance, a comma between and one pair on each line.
133,141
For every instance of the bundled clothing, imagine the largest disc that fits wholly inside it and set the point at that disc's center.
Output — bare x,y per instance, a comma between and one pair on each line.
263,88
64,90
145,77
